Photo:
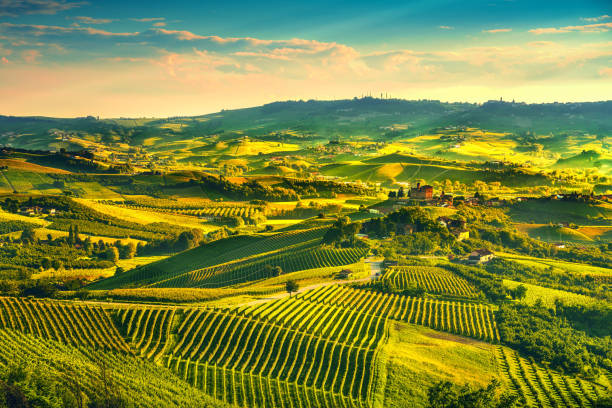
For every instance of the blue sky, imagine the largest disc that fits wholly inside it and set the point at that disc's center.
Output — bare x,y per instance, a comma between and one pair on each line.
119,58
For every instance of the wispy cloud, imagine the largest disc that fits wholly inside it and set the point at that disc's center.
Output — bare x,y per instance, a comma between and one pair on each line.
595,19
159,24
147,19
497,30
14,8
444,27
30,56
91,20
187,68
606,72
588,28
39,30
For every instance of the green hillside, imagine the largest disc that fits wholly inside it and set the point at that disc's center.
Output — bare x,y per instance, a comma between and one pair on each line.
555,211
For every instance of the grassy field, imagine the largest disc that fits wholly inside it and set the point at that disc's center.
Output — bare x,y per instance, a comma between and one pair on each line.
417,357
148,216
548,296
556,211
550,233
572,267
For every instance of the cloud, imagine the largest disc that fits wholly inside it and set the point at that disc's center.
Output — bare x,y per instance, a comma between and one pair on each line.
192,64
4,60
39,30
589,28
148,19
498,30
444,27
595,19
14,8
606,72
90,20
30,56
159,24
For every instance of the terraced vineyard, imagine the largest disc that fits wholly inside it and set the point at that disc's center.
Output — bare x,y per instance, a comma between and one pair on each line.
215,253
431,279
144,383
290,353
468,319
65,322
148,329
324,355
541,387
212,210
246,389
300,257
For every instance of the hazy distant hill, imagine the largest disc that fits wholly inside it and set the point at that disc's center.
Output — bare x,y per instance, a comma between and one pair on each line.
370,118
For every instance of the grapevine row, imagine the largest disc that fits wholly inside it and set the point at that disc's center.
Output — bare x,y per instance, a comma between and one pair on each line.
246,389
250,345
542,387
290,260
473,320
146,384
67,323
148,329
432,279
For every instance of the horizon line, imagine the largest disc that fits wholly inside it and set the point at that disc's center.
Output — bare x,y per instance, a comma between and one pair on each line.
501,100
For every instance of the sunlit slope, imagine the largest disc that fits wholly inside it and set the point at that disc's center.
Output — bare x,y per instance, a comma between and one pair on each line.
555,233
406,172
544,210
234,260
303,121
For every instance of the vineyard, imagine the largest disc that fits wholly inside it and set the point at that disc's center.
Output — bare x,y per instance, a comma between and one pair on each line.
147,329
299,257
144,383
542,387
248,344
214,253
431,279
468,319
293,352
246,389
316,349
215,210
67,323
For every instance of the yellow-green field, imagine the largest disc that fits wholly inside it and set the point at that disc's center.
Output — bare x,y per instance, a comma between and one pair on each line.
548,296
417,357
578,268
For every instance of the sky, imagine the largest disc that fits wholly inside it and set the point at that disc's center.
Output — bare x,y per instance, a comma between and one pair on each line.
113,58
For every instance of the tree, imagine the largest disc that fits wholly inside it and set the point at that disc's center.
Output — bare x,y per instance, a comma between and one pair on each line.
75,232
277,271
112,254
445,394
28,235
45,263
291,286
519,292
130,251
